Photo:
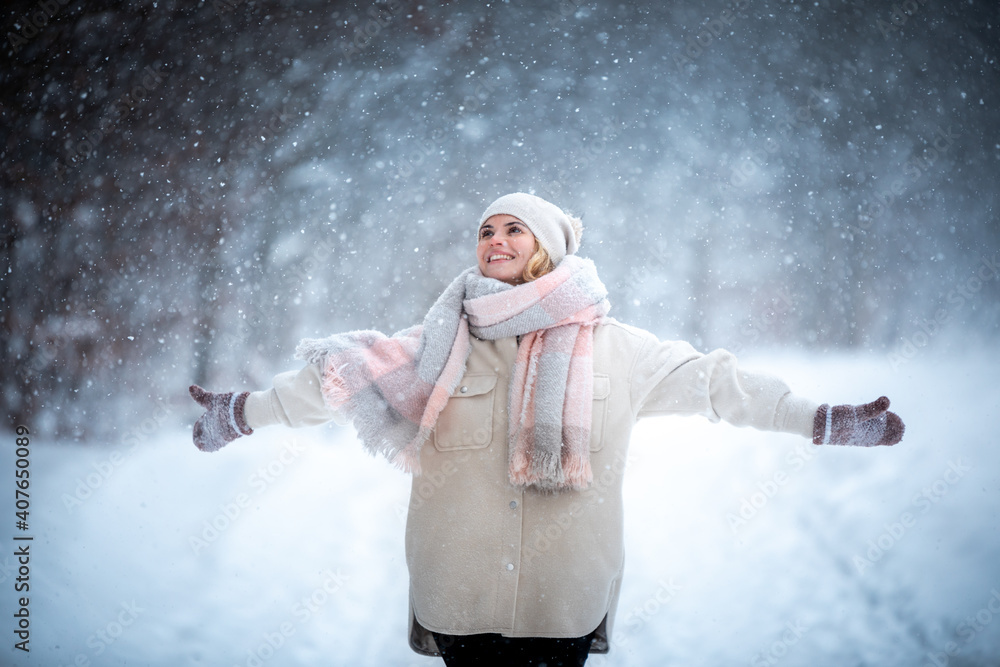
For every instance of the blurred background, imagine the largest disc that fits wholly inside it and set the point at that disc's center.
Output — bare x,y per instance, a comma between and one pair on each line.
189,188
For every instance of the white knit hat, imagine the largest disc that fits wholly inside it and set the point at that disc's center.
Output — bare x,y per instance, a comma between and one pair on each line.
556,231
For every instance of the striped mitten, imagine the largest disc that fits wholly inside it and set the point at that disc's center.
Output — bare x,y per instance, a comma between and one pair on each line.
223,420
859,425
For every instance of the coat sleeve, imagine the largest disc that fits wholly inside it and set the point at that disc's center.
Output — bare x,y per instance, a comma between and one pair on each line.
671,377
295,400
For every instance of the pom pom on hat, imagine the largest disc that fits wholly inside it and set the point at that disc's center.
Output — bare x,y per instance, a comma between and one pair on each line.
558,232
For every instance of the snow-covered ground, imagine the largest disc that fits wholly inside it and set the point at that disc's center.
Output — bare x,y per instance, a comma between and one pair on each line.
841,556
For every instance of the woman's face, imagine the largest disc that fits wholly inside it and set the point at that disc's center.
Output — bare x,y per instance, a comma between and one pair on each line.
505,246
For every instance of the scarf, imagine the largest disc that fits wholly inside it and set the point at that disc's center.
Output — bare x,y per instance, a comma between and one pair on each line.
393,388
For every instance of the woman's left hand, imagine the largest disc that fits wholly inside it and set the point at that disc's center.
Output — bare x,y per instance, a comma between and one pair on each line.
865,425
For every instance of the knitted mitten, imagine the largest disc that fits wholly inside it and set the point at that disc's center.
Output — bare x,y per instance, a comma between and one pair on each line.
223,420
861,425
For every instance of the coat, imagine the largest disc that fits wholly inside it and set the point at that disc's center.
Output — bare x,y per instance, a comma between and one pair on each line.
485,556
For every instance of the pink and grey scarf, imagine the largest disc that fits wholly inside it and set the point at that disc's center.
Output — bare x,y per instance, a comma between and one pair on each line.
394,387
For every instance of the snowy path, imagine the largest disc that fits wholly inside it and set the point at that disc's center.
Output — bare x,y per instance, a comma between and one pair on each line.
312,557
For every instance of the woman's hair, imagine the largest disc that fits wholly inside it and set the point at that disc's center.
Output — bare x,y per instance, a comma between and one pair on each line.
538,264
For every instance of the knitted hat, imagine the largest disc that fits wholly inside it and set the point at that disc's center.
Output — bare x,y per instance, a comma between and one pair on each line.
556,231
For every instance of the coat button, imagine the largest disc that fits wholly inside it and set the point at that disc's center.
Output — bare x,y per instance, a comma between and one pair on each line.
513,504
510,566
464,390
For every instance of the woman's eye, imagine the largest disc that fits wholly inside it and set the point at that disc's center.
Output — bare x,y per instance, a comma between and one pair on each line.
485,233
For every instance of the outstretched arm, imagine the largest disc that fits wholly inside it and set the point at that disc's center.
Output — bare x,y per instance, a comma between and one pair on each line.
295,400
672,378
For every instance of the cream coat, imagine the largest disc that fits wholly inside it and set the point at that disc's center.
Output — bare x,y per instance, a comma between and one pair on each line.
485,556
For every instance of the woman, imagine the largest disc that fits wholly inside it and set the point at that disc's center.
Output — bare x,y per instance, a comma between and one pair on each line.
512,404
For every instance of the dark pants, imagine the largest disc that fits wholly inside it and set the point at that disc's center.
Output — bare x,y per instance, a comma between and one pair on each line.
493,649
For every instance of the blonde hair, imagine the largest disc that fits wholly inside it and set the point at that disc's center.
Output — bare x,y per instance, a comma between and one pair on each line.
541,263
538,264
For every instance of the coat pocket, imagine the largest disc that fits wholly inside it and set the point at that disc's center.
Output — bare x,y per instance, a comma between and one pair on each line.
467,420
602,392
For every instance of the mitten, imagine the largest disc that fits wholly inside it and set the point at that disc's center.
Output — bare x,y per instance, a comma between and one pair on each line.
860,425
223,420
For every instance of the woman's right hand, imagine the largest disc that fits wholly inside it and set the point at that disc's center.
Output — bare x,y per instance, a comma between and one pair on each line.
223,420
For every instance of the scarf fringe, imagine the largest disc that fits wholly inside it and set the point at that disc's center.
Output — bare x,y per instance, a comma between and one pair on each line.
549,473
314,350
547,466
577,472
393,388
408,459
334,388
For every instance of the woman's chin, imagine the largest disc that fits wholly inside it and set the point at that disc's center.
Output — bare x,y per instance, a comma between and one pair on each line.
503,274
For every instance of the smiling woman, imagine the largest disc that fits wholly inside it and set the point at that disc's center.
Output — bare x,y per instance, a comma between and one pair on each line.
512,405
551,235
505,246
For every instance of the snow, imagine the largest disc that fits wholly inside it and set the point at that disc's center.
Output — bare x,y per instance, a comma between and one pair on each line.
784,180
307,552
